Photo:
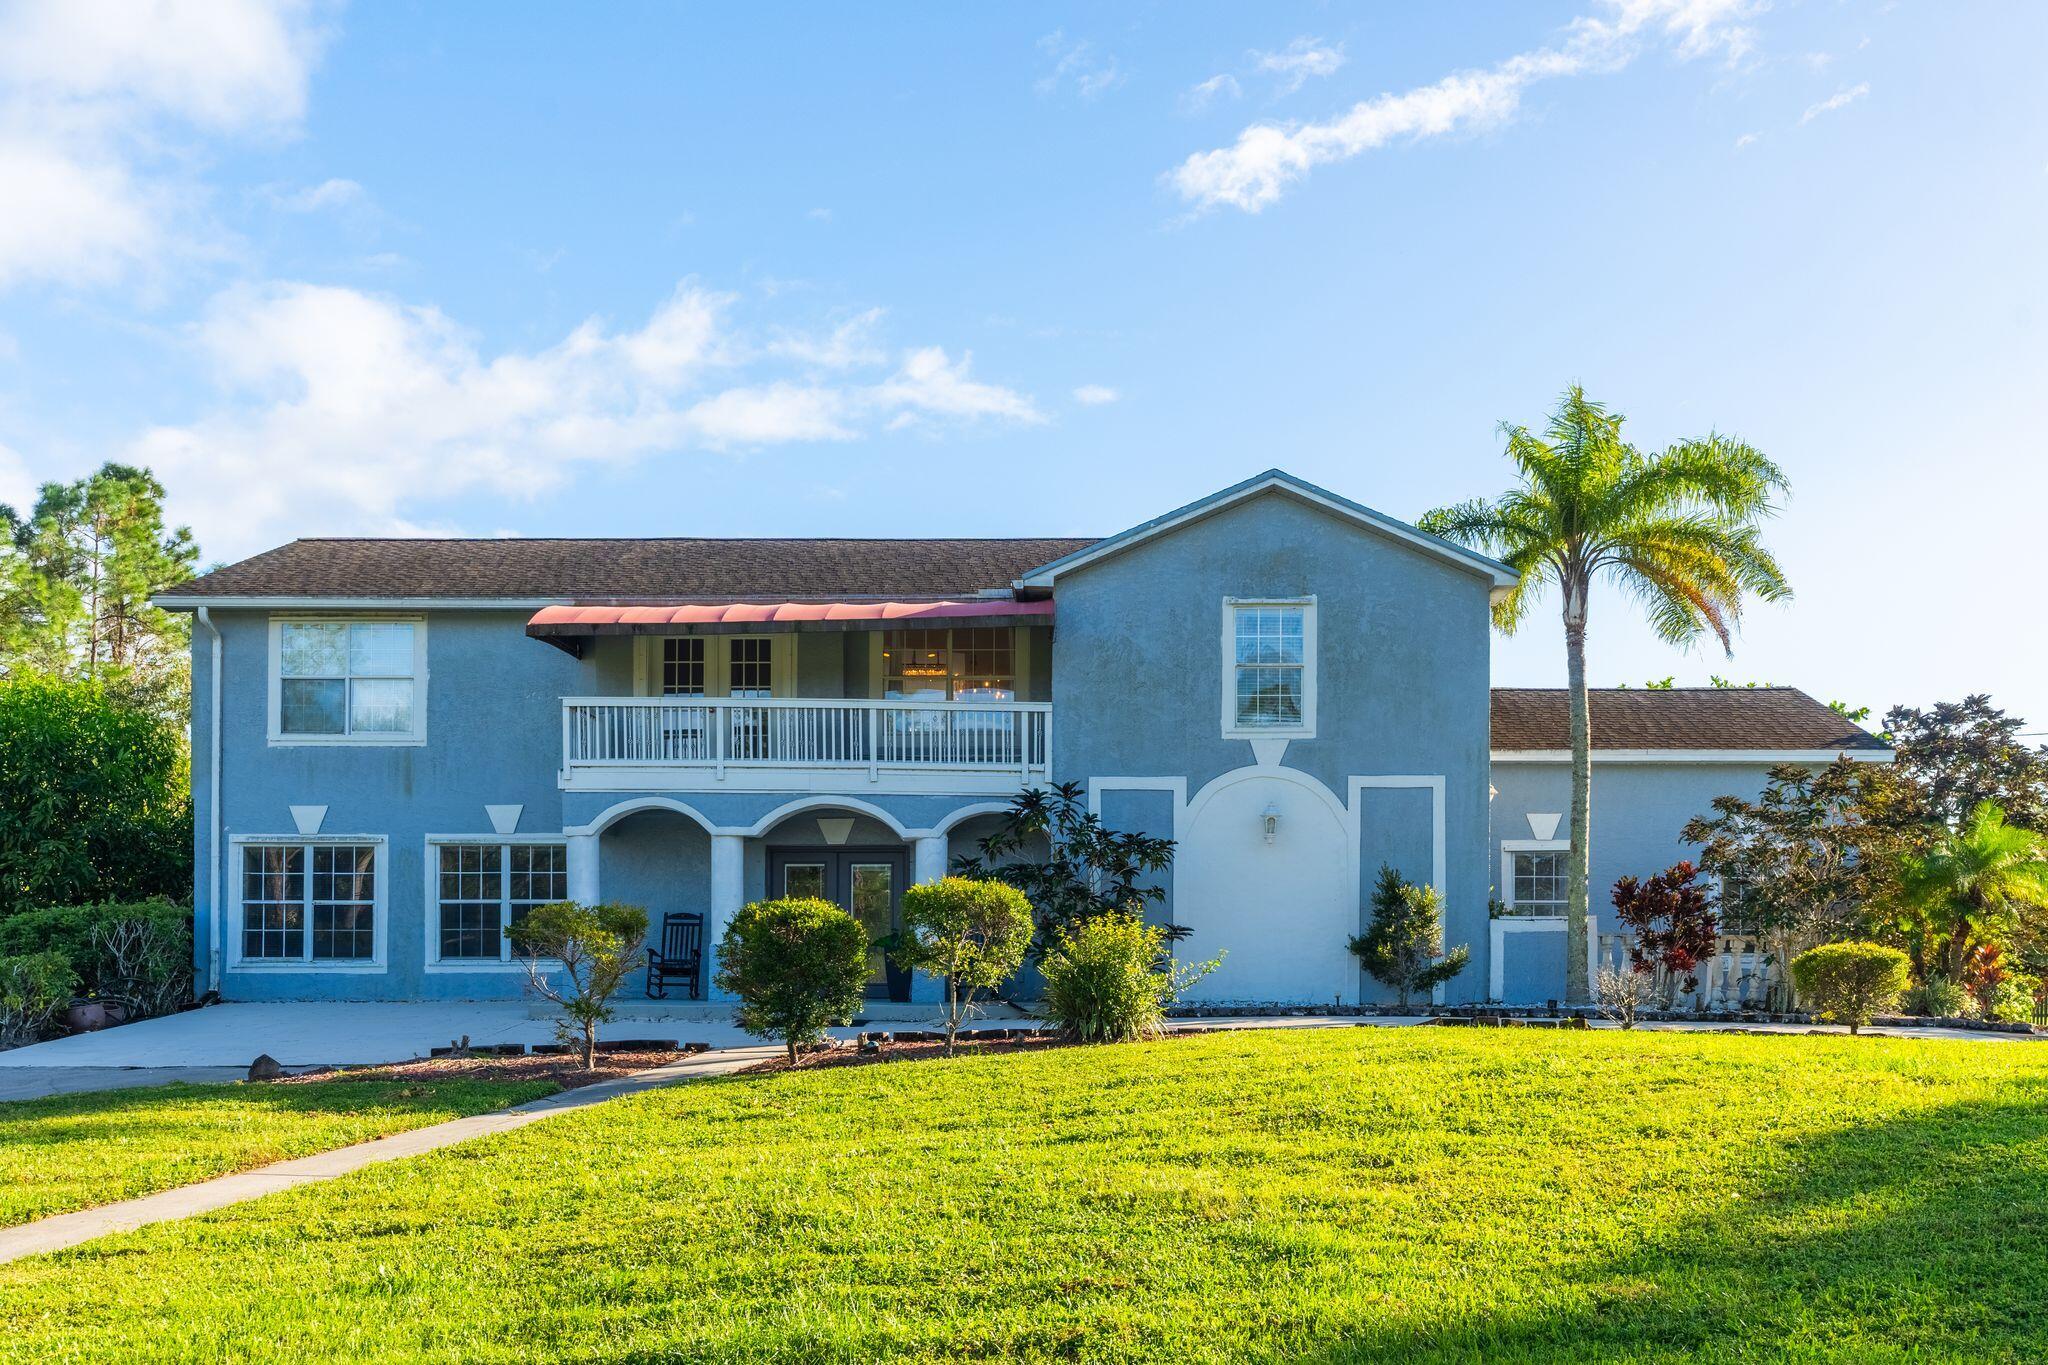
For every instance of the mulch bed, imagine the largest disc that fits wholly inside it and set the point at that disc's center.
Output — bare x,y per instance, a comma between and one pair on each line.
872,1048
565,1071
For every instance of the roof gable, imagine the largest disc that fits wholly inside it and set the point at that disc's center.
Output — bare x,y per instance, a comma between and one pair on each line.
1273,481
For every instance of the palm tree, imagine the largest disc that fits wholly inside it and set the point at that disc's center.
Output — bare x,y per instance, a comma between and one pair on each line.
1969,889
1676,530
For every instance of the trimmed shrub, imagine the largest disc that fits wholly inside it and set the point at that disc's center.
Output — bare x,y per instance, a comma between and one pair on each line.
34,989
798,966
2012,1001
1109,980
1849,982
578,956
1403,947
1938,998
973,932
139,952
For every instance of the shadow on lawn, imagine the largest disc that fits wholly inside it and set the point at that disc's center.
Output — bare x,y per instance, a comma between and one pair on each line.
119,1113
1915,1237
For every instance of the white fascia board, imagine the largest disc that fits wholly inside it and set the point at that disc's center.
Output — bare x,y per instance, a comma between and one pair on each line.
1695,755
173,602
1275,480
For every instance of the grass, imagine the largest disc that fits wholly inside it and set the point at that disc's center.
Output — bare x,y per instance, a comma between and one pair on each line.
72,1152
1328,1196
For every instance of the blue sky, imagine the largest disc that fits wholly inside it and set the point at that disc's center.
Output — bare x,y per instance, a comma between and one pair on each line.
1044,269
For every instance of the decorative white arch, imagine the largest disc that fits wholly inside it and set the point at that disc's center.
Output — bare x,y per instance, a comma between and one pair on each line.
802,804
635,805
1292,776
966,813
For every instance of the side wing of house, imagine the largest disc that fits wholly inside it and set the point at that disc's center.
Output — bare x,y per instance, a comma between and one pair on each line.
1295,690
1660,757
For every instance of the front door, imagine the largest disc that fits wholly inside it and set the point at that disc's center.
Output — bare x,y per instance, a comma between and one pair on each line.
866,882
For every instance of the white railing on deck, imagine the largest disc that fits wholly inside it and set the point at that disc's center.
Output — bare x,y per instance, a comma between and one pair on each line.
1743,973
797,732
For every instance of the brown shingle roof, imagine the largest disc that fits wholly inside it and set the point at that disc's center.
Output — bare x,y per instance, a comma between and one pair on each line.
630,570
1675,718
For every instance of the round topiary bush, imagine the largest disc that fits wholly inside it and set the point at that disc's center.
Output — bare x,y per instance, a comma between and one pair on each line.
797,965
1850,982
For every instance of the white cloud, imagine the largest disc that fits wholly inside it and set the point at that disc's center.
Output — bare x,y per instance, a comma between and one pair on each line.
328,194
1840,99
1301,61
93,97
1095,395
347,411
1220,85
1746,140
1267,158
1076,61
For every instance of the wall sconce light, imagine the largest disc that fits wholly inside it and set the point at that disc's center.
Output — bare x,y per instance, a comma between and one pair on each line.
1270,823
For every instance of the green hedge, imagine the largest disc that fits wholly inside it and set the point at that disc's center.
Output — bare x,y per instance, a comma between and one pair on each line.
70,930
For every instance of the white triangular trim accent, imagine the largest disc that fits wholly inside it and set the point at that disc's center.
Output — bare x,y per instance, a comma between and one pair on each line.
504,819
308,819
1544,826
835,828
1267,753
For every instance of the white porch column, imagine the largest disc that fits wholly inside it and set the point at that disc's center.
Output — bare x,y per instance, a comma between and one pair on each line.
728,893
582,857
930,853
929,865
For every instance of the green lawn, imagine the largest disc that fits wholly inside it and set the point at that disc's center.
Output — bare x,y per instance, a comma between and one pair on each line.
74,1151
1353,1194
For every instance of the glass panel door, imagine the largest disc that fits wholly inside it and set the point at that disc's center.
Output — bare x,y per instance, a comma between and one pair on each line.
873,895
803,879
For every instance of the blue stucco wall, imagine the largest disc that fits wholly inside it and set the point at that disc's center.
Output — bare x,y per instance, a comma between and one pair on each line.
1403,637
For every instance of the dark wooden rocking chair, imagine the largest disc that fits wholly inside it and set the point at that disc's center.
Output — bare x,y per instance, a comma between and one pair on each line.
679,959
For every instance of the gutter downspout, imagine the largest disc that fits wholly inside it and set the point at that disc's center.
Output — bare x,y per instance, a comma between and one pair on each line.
213,909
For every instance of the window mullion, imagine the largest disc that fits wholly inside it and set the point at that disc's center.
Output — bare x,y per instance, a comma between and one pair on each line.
504,902
306,902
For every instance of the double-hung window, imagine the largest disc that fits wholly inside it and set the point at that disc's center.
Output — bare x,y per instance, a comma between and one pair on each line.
1269,668
339,681
1537,881
309,902
485,888
973,663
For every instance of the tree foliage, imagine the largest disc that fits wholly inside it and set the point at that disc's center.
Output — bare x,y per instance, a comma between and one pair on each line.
1677,531
796,965
1794,856
1403,946
1969,890
1671,926
1089,869
1952,757
972,933
94,802
578,956
76,577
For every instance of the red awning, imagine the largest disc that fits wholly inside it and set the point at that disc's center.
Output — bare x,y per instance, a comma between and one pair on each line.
568,622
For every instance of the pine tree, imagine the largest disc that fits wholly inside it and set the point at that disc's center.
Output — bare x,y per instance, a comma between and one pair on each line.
1404,945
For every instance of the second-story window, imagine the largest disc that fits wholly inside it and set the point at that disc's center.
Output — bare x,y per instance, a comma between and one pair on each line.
969,664
682,666
751,664
334,680
1269,668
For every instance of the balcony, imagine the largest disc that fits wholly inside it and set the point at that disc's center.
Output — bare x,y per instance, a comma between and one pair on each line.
801,744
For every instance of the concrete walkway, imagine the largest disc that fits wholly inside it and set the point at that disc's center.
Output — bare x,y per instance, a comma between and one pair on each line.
69,1229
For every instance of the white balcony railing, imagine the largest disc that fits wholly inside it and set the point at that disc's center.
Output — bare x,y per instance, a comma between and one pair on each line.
877,737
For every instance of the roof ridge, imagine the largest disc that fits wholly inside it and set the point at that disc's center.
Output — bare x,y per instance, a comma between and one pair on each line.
670,540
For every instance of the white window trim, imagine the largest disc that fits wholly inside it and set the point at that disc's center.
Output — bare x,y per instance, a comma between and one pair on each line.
1307,728
1020,661
380,905
430,905
279,739
1508,849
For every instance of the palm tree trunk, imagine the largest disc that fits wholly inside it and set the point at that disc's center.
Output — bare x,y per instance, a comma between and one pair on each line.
1579,867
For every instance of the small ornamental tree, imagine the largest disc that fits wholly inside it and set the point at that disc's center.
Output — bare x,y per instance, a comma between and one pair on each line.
974,933
578,956
1850,982
1088,870
797,966
1671,924
1403,947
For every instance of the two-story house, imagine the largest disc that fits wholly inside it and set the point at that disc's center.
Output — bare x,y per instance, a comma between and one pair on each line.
401,745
